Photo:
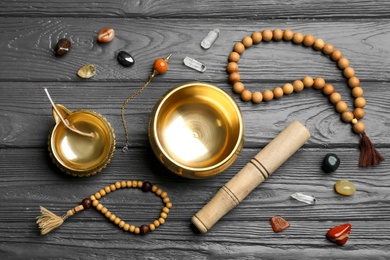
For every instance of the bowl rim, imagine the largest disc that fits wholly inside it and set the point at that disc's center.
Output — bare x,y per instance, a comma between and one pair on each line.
238,143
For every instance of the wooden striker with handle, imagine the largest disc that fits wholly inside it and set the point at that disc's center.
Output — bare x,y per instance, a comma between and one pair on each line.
255,172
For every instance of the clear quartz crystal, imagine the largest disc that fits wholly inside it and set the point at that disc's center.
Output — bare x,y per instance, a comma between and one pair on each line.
308,199
210,38
194,64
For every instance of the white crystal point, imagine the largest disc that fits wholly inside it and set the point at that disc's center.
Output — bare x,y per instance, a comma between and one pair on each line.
308,199
194,64
210,38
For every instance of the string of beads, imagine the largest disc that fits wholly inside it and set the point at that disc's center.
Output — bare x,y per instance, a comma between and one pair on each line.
369,155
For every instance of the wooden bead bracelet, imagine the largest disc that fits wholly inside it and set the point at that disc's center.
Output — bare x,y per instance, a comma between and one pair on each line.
49,221
369,156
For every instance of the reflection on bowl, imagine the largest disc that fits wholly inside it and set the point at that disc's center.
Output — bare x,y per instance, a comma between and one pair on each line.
196,130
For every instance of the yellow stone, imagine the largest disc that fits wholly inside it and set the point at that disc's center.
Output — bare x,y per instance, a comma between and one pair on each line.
87,71
345,187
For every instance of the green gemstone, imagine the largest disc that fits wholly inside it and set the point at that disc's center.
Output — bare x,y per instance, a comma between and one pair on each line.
345,188
330,163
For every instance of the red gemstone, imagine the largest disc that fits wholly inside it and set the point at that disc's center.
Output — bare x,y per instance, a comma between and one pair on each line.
339,234
279,224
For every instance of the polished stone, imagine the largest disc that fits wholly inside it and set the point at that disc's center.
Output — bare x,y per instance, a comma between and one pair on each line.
330,163
344,187
125,59
339,234
63,47
279,224
87,71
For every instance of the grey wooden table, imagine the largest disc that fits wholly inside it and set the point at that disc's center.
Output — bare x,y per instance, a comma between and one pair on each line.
152,29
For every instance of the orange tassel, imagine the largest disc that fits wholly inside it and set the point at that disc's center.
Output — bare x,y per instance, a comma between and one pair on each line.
369,156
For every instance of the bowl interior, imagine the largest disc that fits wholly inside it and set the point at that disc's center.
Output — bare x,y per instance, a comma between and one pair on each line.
80,153
198,126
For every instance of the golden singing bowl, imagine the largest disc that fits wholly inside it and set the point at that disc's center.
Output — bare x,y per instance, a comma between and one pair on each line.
196,130
76,154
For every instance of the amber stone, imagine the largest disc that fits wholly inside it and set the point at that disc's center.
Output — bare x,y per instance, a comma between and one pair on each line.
279,224
339,234
330,163
125,59
63,47
344,187
87,71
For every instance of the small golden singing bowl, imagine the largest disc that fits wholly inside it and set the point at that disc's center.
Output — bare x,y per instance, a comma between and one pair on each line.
196,130
76,154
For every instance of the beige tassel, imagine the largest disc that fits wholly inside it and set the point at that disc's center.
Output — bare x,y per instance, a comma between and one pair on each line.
49,221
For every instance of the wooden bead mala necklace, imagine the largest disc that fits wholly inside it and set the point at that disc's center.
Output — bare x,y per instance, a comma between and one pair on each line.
49,221
369,155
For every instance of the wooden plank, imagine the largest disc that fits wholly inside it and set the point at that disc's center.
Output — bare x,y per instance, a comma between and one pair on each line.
289,9
26,112
27,52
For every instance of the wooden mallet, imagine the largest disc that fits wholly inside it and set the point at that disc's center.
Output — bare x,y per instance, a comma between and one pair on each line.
254,173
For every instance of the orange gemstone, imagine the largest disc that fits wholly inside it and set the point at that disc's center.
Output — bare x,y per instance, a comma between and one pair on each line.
160,65
106,34
279,224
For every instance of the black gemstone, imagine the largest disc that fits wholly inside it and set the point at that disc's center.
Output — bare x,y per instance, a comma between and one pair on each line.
330,163
146,186
125,59
63,47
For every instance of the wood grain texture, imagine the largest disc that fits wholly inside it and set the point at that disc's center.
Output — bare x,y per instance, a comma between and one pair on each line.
150,29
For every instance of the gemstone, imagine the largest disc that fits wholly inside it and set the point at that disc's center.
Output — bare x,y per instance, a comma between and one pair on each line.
87,71
125,59
345,188
339,234
279,224
194,64
106,34
210,38
63,47
330,163
308,199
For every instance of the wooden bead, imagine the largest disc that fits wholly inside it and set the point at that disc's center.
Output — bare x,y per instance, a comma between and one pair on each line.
335,97
267,35
144,229
129,184
246,95
132,228
343,63
92,197
358,113
95,203
154,188
118,185
357,92
328,89
360,102
353,82
99,207
87,203
278,92
168,205
159,191
163,215
247,41
256,37
137,230
354,121
288,88
298,85
234,56
164,194
318,44
268,95
349,72
97,195
112,217
166,200
288,35
308,82
108,214
359,127
107,189
156,223
347,116
165,209
319,83
336,55
139,184
238,87
257,97
102,192
328,49
112,187
126,227
123,184
278,35
298,38
234,77
161,220
341,106
104,210
152,227
232,67
308,40
239,47
121,224
117,221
